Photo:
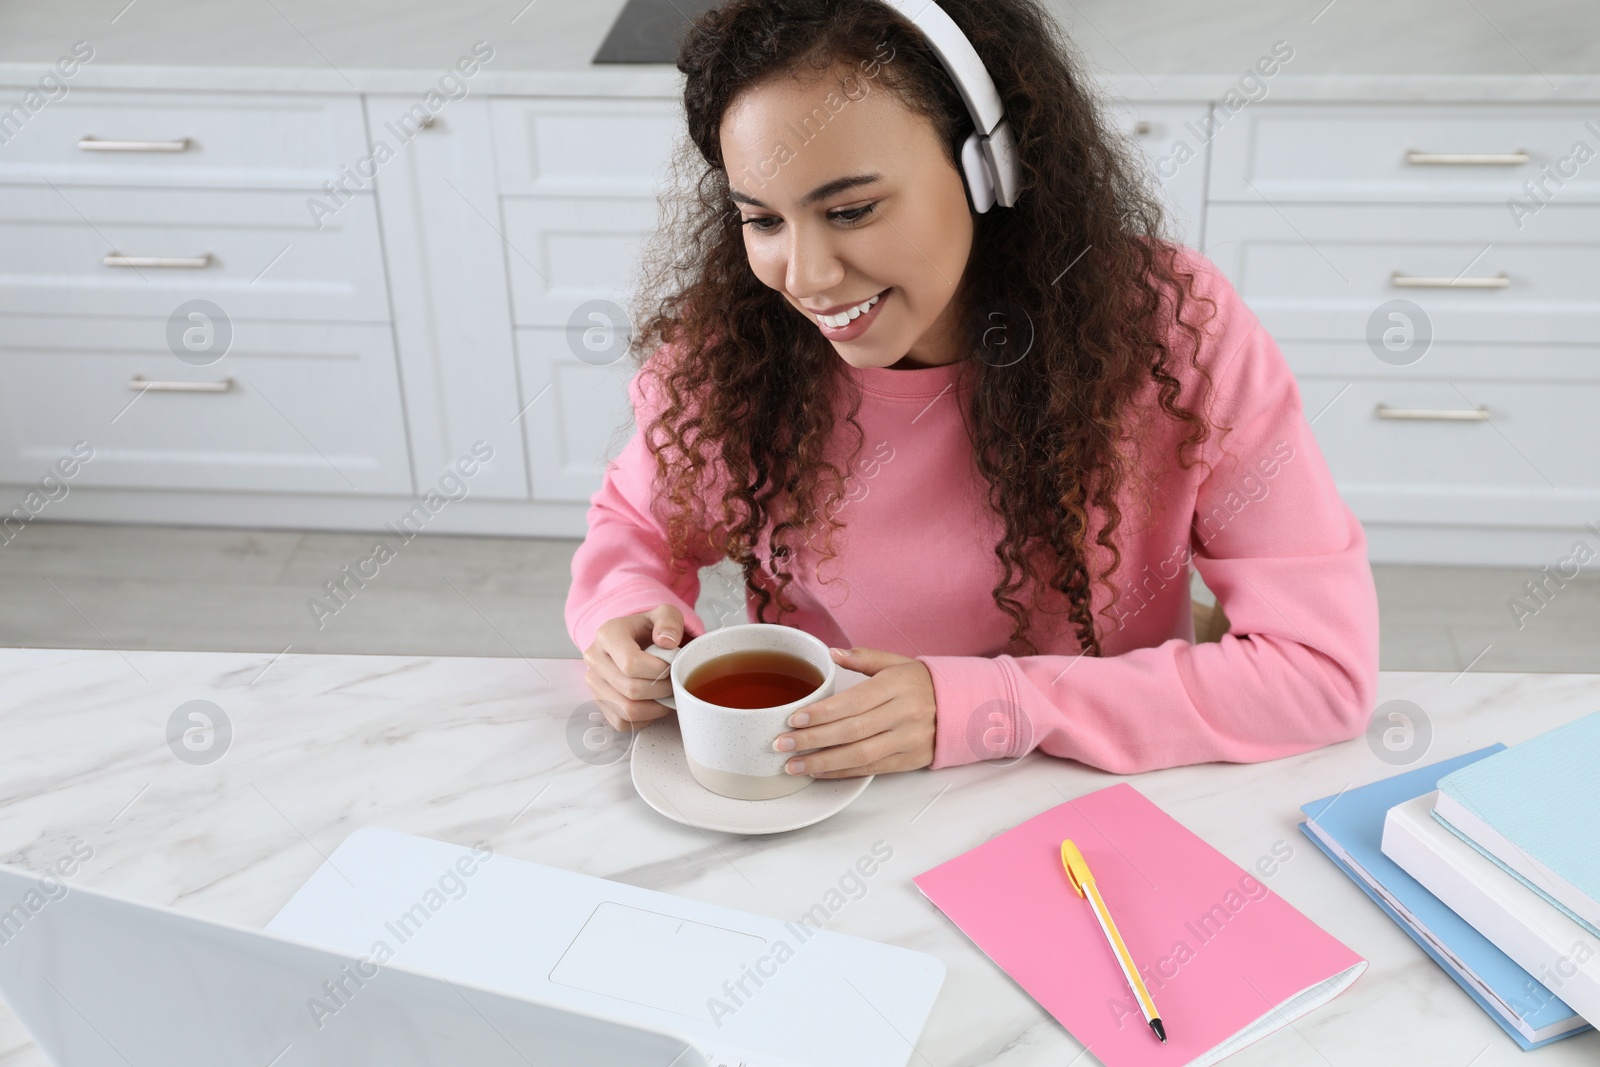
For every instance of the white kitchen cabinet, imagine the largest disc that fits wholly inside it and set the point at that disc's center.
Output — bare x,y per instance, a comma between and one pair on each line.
578,416
255,254
1432,153
1458,360
578,147
167,139
452,314
1321,270
169,295
440,301
564,251
1172,139
1345,226
1408,450
292,407
579,181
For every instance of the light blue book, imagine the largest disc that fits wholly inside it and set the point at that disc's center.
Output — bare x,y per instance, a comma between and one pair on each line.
1348,827
1534,809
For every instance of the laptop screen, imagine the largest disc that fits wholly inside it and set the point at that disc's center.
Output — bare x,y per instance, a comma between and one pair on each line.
97,980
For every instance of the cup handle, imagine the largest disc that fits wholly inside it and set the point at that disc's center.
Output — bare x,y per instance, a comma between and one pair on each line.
667,655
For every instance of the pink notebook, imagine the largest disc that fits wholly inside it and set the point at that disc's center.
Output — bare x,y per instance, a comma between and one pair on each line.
1226,960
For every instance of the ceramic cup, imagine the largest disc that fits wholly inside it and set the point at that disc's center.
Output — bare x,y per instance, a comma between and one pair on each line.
730,749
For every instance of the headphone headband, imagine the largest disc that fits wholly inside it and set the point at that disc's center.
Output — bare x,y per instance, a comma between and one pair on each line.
989,156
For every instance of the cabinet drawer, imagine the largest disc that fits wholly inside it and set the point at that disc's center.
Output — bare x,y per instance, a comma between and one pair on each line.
307,408
263,254
1172,139
567,251
1530,462
584,147
576,416
174,138
1445,361
1349,152
1322,271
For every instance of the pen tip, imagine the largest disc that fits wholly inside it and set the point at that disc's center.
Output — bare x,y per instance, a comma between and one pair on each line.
1161,1031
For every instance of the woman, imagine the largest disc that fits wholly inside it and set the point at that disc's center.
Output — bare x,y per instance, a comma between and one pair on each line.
1051,413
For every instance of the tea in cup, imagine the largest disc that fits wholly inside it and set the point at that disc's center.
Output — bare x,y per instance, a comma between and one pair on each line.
734,689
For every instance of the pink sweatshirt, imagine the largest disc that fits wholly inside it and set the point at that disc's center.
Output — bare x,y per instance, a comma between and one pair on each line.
1265,527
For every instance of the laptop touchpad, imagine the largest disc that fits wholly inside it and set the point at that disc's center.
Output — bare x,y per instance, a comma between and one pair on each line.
657,960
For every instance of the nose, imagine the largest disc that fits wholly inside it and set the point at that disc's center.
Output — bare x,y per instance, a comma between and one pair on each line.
814,266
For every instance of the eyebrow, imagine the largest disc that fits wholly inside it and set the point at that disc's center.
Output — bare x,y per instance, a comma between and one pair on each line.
821,192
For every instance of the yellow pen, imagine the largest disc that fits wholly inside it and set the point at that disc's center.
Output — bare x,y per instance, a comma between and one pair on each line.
1083,882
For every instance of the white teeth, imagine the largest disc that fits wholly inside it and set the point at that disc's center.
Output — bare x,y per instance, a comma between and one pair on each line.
844,317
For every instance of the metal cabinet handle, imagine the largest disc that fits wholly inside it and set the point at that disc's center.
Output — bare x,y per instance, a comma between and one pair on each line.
139,384
1477,414
95,144
1468,159
116,259
1412,281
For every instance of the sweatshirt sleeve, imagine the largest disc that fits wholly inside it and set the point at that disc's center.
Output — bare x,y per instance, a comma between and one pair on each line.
621,568
1287,560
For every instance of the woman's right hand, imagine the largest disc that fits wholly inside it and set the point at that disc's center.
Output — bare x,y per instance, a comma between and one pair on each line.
628,682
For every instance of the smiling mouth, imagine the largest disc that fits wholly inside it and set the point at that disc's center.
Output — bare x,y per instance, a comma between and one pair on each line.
844,318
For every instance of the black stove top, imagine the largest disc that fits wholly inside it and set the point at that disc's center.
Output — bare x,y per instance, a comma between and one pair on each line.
650,31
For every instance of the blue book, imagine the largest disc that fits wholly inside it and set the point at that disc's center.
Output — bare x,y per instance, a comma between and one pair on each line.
1533,809
1348,828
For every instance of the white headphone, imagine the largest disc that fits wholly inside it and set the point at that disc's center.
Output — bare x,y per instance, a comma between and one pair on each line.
989,156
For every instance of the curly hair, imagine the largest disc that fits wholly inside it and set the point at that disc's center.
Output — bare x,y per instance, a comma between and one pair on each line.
1080,258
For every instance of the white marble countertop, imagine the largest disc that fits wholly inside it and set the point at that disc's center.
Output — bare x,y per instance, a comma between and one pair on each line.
465,750
1343,50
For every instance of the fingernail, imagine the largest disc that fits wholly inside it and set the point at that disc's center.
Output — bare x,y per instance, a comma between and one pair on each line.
796,766
841,653
666,639
800,718
783,744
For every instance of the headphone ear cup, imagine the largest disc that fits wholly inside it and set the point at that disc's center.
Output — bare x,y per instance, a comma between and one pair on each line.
975,168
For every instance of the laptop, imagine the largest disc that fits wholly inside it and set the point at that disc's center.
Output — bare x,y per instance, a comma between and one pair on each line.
405,948
100,981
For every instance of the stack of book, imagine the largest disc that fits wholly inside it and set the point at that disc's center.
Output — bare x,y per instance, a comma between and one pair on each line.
1490,861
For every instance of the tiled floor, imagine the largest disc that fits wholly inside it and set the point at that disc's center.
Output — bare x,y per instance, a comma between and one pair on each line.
93,586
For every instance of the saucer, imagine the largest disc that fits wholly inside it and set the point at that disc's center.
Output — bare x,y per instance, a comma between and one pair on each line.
661,777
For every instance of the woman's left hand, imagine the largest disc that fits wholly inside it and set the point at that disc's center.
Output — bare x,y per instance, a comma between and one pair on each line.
885,723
